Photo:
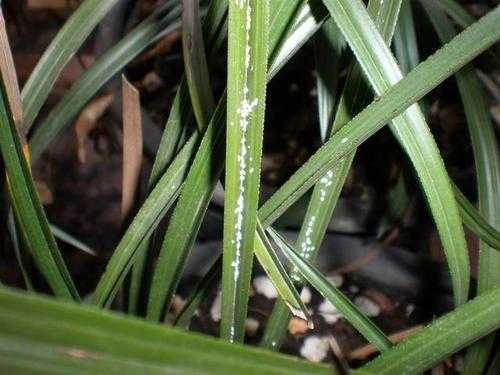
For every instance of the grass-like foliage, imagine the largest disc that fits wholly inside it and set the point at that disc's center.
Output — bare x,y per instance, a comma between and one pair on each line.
215,136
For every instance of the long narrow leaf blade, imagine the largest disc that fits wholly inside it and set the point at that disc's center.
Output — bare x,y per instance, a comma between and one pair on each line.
147,218
476,222
329,44
186,218
444,336
70,240
179,119
308,18
28,208
412,132
9,75
487,162
200,183
67,41
195,64
246,99
105,68
461,50
43,336
278,275
369,330
405,39
325,194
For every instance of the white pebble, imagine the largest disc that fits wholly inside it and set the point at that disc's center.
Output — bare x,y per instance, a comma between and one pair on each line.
332,318
263,285
336,279
315,349
306,295
326,307
353,289
215,310
293,87
409,309
367,306
329,312
251,326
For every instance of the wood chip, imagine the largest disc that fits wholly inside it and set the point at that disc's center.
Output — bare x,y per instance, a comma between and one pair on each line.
298,326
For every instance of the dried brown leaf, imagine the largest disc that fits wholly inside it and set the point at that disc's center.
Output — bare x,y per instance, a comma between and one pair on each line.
367,350
132,145
9,75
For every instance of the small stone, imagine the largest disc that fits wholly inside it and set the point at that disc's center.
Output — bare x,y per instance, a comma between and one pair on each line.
315,349
409,309
354,289
331,318
306,295
382,300
326,307
152,81
297,326
367,306
263,285
336,280
215,310
177,304
251,326
329,312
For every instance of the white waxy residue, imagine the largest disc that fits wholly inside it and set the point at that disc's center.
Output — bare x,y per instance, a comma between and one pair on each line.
245,109
325,182
306,246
